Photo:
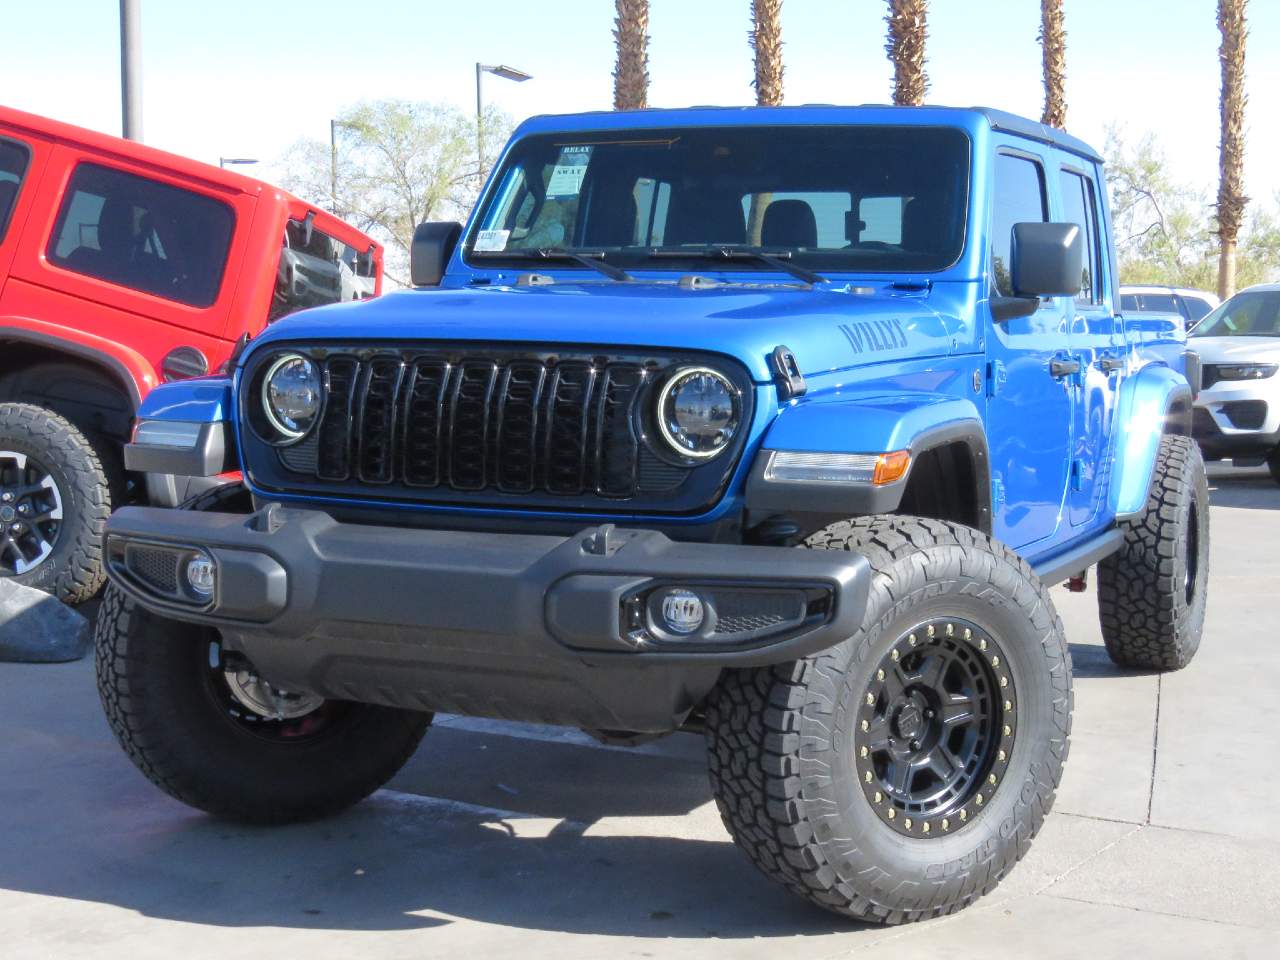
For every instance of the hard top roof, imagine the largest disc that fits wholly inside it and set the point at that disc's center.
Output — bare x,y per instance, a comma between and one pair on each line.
814,113
104,142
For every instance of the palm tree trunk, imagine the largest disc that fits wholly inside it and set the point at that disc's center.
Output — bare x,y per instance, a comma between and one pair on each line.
1053,42
766,42
1231,198
631,74
907,33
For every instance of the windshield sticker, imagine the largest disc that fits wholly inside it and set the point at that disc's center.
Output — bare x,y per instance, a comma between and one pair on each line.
567,174
491,241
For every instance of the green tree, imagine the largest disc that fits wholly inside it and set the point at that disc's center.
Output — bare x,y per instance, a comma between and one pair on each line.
1167,233
398,163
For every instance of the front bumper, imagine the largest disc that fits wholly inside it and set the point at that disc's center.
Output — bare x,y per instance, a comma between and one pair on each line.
538,628
1238,418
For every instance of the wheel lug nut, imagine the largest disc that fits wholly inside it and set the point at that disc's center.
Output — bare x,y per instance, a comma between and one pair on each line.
928,714
15,528
6,497
915,744
24,508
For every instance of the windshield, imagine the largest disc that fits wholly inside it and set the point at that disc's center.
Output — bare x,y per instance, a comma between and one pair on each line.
1254,313
854,198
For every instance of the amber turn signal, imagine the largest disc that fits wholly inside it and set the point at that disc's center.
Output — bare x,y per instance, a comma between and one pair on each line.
891,467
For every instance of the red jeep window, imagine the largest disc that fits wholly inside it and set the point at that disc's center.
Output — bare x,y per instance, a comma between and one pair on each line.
13,164
144,235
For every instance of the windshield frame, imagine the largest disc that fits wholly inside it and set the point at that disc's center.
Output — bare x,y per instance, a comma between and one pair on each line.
666,264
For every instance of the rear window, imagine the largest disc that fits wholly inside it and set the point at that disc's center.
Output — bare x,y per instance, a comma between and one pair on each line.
13,164
144,235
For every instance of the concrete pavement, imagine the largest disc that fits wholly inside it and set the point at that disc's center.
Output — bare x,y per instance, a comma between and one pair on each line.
503,840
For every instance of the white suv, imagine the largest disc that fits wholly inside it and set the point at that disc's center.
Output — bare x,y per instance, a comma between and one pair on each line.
1191,305
1237,414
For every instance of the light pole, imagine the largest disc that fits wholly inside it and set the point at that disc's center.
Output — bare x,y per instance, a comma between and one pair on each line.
498,70
225,162
131,68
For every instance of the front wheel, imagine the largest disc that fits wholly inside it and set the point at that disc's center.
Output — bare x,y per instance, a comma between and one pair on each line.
901,774
205,727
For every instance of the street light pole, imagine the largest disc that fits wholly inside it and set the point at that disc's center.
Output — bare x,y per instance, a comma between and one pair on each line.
498,70
131,68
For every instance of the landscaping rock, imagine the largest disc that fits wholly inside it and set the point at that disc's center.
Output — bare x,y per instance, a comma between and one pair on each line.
37,628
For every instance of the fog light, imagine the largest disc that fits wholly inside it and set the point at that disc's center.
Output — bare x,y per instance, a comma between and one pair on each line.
683,611
201,576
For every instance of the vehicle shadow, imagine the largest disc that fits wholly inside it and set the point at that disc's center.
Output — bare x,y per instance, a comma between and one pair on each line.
502,830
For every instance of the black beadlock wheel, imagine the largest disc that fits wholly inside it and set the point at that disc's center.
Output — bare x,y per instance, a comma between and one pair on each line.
1153,591
202,725
902,773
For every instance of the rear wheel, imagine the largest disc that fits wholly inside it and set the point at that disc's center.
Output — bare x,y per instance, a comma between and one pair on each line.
1152,592
203,725
902,773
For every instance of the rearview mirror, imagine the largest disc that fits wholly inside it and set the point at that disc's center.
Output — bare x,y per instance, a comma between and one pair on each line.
1048,259
433,245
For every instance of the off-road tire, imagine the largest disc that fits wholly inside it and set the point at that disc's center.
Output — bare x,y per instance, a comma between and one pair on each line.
158,705
780,738
1152,592
72,572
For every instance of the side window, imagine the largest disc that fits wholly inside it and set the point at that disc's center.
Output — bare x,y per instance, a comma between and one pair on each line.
1196,309
1129,302
1079,207
1019,198
13,165
143,235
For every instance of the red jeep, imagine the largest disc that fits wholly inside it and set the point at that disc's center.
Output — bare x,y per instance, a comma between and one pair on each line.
122,267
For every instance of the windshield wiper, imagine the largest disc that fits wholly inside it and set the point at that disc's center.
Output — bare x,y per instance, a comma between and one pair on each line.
588,258
779,260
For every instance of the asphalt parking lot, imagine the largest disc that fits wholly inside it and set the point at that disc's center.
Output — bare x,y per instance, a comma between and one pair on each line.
504,840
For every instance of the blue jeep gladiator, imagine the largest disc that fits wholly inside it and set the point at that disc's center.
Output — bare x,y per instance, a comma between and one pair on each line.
564,481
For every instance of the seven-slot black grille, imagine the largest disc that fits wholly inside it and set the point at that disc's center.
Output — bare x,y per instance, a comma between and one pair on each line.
503,426
563,426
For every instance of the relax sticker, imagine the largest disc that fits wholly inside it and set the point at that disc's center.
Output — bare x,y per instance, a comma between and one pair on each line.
567,174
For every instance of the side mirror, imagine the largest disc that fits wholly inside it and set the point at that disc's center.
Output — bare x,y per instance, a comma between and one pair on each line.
1048,259
433,245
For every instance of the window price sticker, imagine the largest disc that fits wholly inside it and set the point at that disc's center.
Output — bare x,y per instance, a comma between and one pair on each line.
491,241
567,174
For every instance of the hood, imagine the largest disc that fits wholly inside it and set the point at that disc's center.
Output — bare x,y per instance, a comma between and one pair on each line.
1236,349
828,329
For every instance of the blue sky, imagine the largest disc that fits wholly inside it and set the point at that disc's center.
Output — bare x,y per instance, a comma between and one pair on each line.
245,78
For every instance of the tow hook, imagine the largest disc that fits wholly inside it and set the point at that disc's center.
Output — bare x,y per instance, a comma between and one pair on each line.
1079,583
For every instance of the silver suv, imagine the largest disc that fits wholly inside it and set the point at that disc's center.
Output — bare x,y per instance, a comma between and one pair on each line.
1237,414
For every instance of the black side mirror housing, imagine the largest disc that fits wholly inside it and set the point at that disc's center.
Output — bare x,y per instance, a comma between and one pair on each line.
1048,259
433,245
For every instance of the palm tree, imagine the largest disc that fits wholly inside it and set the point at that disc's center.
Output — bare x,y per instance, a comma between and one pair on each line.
766,41
631,74
1231,198
1053,42
907,34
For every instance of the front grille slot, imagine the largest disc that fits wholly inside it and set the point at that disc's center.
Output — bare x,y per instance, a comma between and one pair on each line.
517,425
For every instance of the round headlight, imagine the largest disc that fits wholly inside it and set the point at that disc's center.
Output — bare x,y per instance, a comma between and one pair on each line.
698,412
291,395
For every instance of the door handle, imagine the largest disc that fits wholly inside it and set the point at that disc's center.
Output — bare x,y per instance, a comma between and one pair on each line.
1064,368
